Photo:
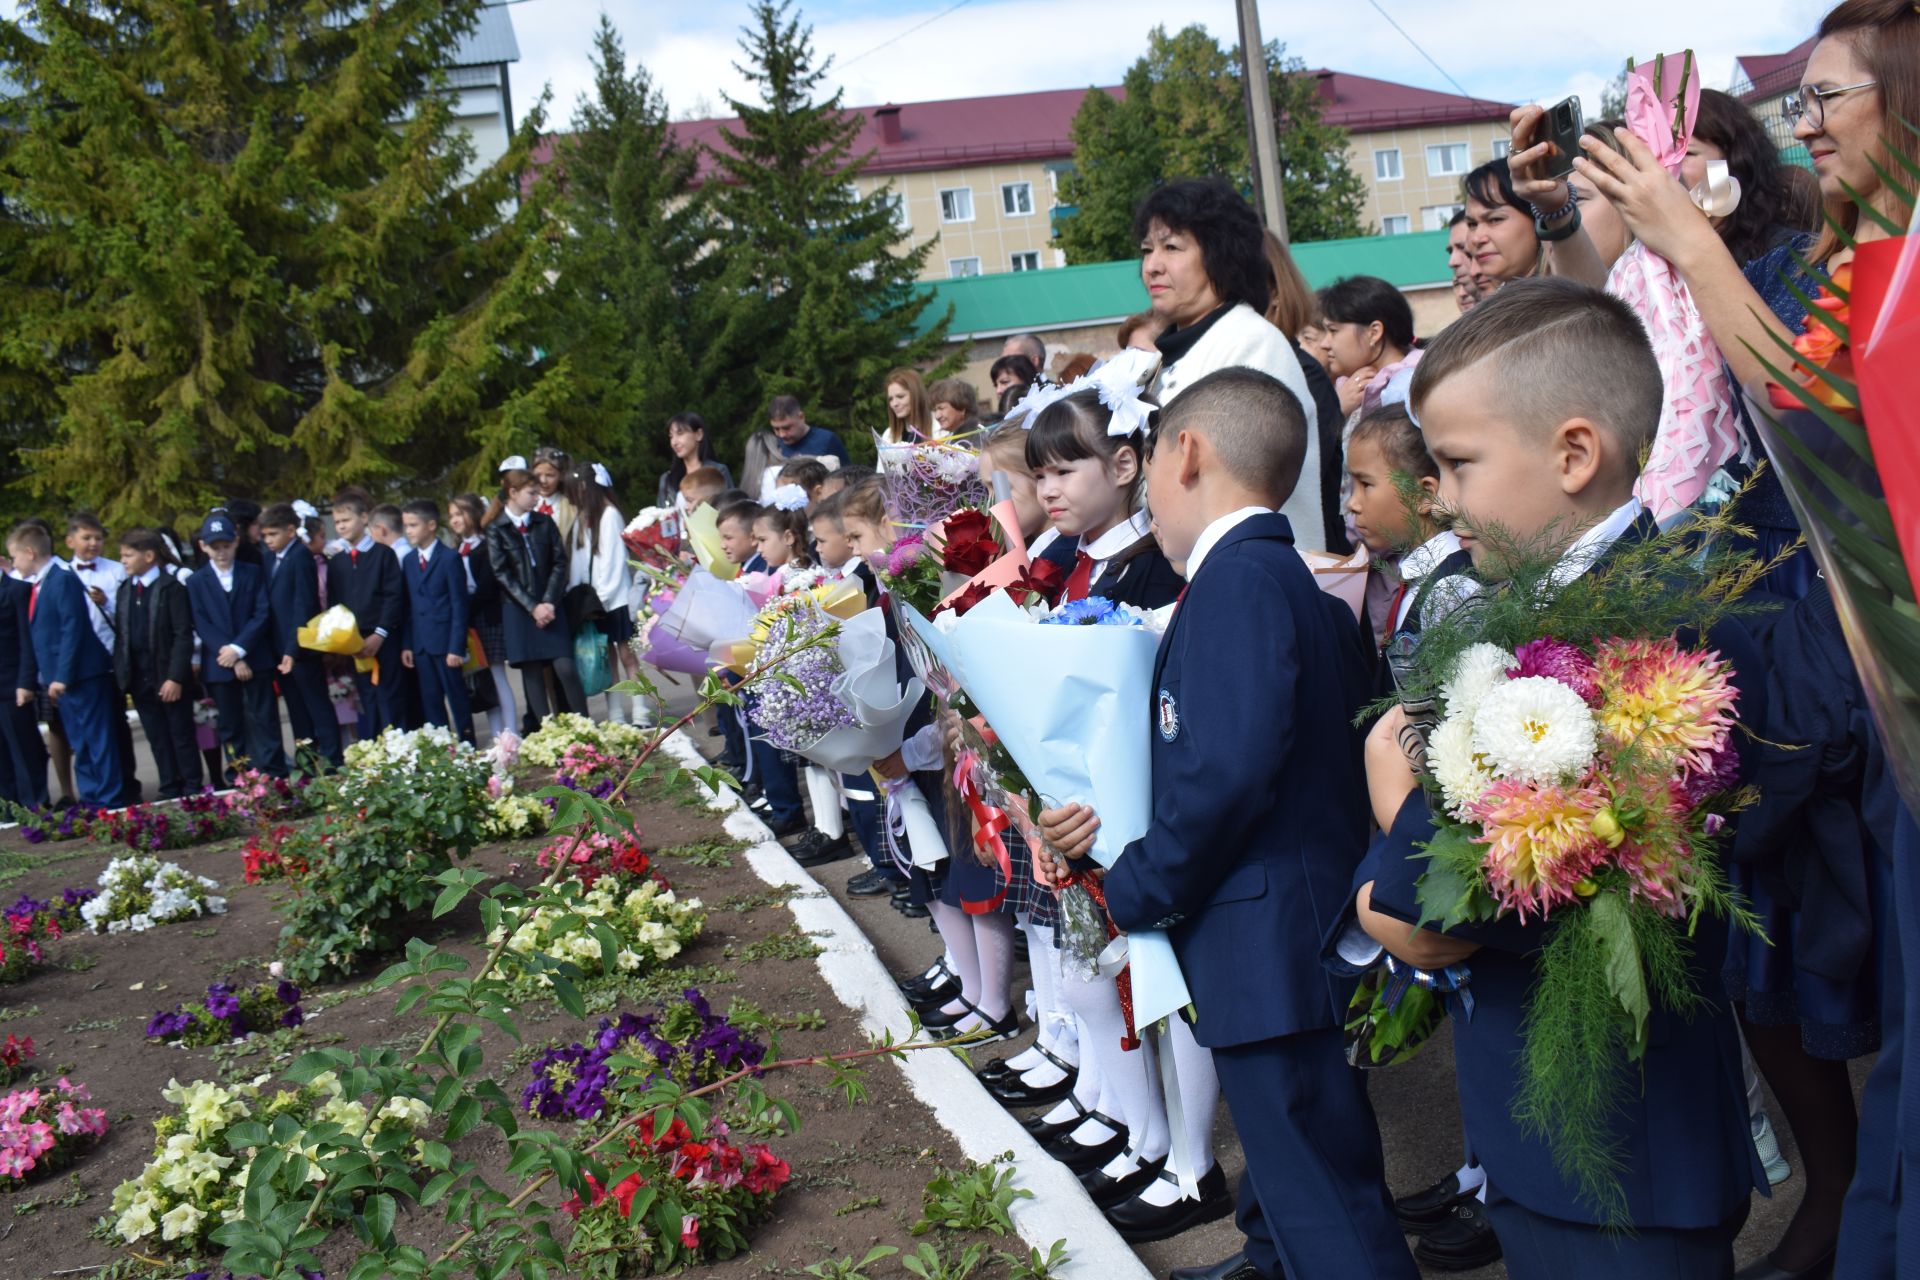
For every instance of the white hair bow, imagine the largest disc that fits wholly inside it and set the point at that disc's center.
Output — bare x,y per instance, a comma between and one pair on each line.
601,476
789,497
515,463
305,510
1120,381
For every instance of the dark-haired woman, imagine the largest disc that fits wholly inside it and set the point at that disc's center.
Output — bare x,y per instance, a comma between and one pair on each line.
1011,376
1369,342
1500,234
1203,258
692,451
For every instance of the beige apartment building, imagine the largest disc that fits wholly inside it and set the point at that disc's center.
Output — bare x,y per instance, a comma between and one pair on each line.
979,176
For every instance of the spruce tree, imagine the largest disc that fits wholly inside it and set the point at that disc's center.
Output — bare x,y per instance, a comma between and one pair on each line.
826,272
244,256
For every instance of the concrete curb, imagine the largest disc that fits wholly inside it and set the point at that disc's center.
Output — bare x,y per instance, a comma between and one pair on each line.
1060,1209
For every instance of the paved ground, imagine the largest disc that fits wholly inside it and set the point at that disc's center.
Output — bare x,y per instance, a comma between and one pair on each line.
1419,1118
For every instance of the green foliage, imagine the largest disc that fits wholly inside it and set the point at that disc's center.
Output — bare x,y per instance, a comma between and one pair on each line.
1034,1265
949,1262
830,279
243,253
1184,116
847,1268
975,1198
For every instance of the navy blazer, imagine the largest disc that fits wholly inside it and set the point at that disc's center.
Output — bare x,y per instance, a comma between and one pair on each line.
64,643
169,641
370,585
236,617
436,602
18,670
1139,576
293,600
1258,798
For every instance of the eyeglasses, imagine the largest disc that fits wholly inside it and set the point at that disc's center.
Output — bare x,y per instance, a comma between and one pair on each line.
1812,103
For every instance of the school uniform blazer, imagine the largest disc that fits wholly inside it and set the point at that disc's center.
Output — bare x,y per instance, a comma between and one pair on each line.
17,667
529,571
1258,800
483,602
293,600
236,617
169,632
436,603
1139,576
371,588
64,645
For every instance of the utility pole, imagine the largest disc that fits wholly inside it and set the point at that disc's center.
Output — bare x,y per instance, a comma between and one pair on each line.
1267,192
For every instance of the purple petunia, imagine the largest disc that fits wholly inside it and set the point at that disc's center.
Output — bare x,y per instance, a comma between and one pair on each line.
687,1041
164,1026
222,1002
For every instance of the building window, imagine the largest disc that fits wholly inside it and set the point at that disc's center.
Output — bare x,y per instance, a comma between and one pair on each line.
961,268
1436,217
1028,261
1386,165
1016,199
1394,225
956,204
1500,146
1447,160
898,203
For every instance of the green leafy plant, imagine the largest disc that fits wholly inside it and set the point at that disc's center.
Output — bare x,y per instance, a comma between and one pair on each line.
975,1198
949,1262
1035,1265
847,1268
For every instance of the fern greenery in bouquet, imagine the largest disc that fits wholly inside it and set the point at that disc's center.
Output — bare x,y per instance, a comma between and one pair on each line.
1582,765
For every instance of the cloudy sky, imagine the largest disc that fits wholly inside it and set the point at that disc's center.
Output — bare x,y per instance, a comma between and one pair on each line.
918,50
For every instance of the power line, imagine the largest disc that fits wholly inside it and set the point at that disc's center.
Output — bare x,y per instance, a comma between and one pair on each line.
904,34
1417,49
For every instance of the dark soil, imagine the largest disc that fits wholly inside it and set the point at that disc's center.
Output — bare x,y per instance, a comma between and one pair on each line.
858,1173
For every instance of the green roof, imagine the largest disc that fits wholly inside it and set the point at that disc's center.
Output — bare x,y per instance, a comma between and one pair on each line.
1067,297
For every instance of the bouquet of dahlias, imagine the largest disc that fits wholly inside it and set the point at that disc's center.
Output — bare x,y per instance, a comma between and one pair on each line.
1586,784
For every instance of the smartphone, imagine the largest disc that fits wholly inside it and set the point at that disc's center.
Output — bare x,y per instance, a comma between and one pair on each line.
1563,126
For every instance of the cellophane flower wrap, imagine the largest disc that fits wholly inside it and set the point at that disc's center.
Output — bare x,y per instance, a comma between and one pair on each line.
928,480
1581,776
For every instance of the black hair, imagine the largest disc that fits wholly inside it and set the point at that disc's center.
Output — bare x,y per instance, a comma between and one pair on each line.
805,472
783,407
745,512
732,498
830,507
85,520
692,422
1391,427
422,509
280,515
1492,184
1754,226
1020,366
1075,427
1233,244
590,499
1362,300
1459,216
853,473
144,540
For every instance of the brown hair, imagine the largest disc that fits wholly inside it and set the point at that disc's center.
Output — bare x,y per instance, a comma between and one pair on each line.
1133,324
1292,306
957,392
1007,443
1075,368
510,481
918,424
702,485
866,500
793,523
354,498
473,507
1885,35
1391,428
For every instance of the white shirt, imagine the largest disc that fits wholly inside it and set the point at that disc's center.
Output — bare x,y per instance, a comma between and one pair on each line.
1593,544
1104,548
605,569
1415,566
1220,528
401,549
426,552
107,575
467,547
148,578
226,584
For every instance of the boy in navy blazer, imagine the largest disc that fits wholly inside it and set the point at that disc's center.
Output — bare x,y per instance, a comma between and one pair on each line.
436,636
293,599
74,667
1537,407
23,756
229,598
153,659
1258,823
365,577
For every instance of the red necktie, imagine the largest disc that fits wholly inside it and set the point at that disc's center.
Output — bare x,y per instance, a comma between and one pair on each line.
1183,593
139,591
464,548
33,598
353,556
1081,579
84,564
546,508
1393,615
423,562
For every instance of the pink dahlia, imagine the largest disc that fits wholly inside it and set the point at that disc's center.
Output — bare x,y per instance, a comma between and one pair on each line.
1540,842
1660,698
1557,660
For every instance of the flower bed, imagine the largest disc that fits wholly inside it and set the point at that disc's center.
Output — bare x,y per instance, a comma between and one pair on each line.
647,924
32,921
686,1042
41,1130
594,855
229,1013
140,892
545,746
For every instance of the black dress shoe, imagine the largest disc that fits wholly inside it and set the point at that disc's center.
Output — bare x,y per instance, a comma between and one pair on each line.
1235,1268
1107,1192
1763,1268
934,975
1424,1210
1045,1131
995,1070
992,1033
1464,1242
933,997
870,883
1080,1157
791,827
817,848
1012,1091
903,903
936,1017
1140,1223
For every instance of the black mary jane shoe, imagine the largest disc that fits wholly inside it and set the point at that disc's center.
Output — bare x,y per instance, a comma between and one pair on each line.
1141,1223
1464,1242
1107,1191
1424,1210
992,1033
1044,1130
1011,1089
1080,1157
938,1019
995,1070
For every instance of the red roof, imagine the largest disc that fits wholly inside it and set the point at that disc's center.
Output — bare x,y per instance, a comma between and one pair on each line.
1771,74
944,135
1365,105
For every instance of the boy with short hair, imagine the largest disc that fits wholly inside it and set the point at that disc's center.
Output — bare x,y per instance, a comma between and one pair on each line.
102,576
229,598
1257,827
23,756
1537,407
736,536
153,660
830,544
366,579
809,473
74,668
436,636
705,485
388,528
293,600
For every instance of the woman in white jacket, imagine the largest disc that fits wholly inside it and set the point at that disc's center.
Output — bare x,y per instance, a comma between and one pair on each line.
598,558
1203,260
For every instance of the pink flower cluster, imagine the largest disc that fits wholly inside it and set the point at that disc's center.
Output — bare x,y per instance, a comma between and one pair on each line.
41,1128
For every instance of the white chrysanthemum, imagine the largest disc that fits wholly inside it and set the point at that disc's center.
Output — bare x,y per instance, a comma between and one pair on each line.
1461,773
1474,676
1534,729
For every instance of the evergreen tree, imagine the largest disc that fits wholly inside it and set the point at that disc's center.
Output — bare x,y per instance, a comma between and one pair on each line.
826,275
1184,116
244,255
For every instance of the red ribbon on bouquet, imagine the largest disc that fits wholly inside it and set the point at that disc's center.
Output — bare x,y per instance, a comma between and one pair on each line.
1122,981
988,823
